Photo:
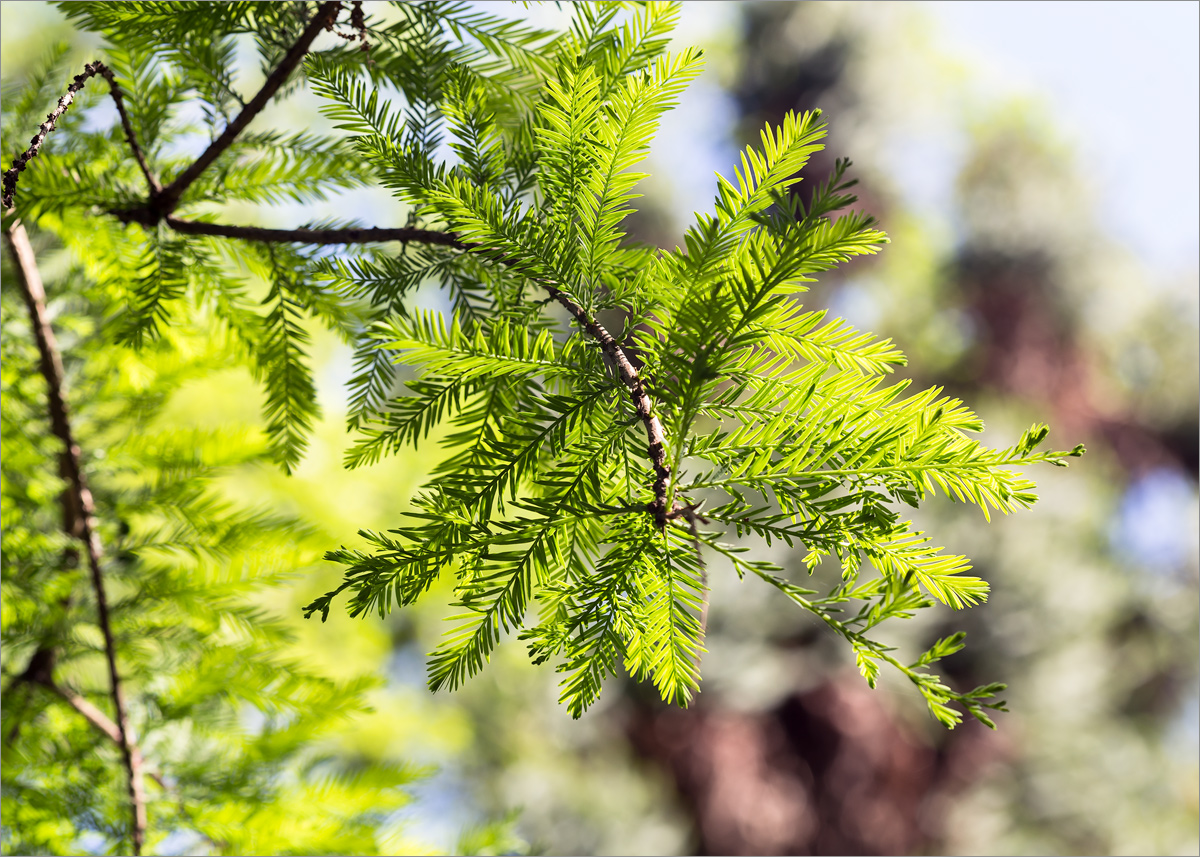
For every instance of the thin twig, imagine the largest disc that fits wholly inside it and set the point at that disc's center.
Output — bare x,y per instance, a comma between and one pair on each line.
358,24
35,145
34,294
130,136
308,236
91,713
166,201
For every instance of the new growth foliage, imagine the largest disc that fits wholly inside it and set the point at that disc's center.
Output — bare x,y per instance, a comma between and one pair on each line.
591,476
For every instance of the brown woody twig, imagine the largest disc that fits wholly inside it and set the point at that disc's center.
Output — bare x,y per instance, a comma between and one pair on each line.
130,137
304,236
35,145
13,173
637,394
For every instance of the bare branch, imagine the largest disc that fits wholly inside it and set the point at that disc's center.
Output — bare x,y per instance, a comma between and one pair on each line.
35,145
115,734
130,137
91,713
34,294
165,202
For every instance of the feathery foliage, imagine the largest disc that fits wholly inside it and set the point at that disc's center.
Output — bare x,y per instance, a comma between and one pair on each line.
588,481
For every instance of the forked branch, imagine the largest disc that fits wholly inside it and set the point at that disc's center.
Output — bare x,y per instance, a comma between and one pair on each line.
163,200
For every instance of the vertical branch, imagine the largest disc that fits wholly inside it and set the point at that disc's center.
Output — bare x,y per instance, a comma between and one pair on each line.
51,367
112,732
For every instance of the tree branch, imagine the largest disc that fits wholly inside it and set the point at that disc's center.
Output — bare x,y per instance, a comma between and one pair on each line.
110,729
163,200
33,292
35,145
91,713
130,136
166,201
637,394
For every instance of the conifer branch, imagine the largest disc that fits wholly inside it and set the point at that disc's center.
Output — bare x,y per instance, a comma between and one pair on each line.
166,201
105,725
613,350
33,292
547,145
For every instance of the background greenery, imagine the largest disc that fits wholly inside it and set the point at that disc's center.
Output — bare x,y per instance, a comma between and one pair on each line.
1093,617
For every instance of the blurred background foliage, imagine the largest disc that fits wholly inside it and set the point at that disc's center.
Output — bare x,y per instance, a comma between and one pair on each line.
1004,287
